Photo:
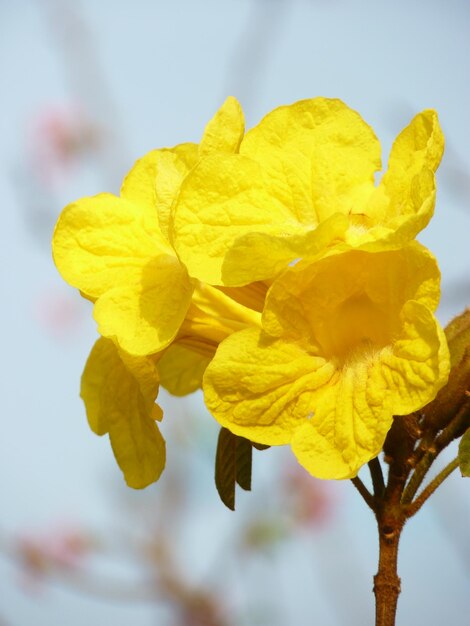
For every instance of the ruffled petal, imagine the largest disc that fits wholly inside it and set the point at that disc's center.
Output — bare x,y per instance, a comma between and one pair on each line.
348,427
318,301
145,317
119,392
418,364
262,389
353,415
220,200
332,151
420,144
172,167
225,130
335,416
227,215
261,256
104,241
155,179
403,203
138,186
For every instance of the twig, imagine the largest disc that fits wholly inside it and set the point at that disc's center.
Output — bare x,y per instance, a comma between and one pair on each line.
377,477
451,432
431,488
365,493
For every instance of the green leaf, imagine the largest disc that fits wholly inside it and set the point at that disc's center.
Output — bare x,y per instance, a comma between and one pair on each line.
232,465
464,454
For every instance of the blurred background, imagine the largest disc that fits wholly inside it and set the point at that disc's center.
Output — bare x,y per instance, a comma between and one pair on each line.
86,88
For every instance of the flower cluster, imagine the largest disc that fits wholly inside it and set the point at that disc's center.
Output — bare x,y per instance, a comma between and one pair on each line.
270,270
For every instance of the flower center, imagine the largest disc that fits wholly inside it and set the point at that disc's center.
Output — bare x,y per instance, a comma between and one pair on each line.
357,327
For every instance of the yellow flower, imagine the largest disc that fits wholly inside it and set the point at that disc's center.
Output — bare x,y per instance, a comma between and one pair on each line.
119,390
347,342
116,250
178,268
303,179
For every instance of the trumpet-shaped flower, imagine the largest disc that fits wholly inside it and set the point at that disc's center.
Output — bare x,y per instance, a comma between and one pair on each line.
116,250
212,316
119,390
347,342
303,179
179,265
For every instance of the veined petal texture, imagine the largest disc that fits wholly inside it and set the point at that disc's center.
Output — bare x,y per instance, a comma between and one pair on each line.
303,182
348,341
119,392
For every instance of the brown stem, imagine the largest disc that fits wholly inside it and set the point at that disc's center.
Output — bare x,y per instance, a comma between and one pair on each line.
419,474
390,520
455,429
395,503
386,581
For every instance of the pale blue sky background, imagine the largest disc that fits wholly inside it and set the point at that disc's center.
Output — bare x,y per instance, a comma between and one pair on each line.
153,73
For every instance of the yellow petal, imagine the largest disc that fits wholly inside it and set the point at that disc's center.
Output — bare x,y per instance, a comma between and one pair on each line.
227,217
144,317
262,389
114,252
155,179
336,418
260,256
119,394
213,316
332,151
172,167
104,241
418,364
225,130
244,218
420,144
368,314
335,301
348,426
395,216
221,199
181,369
219,306
138,186
404,200
353,416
